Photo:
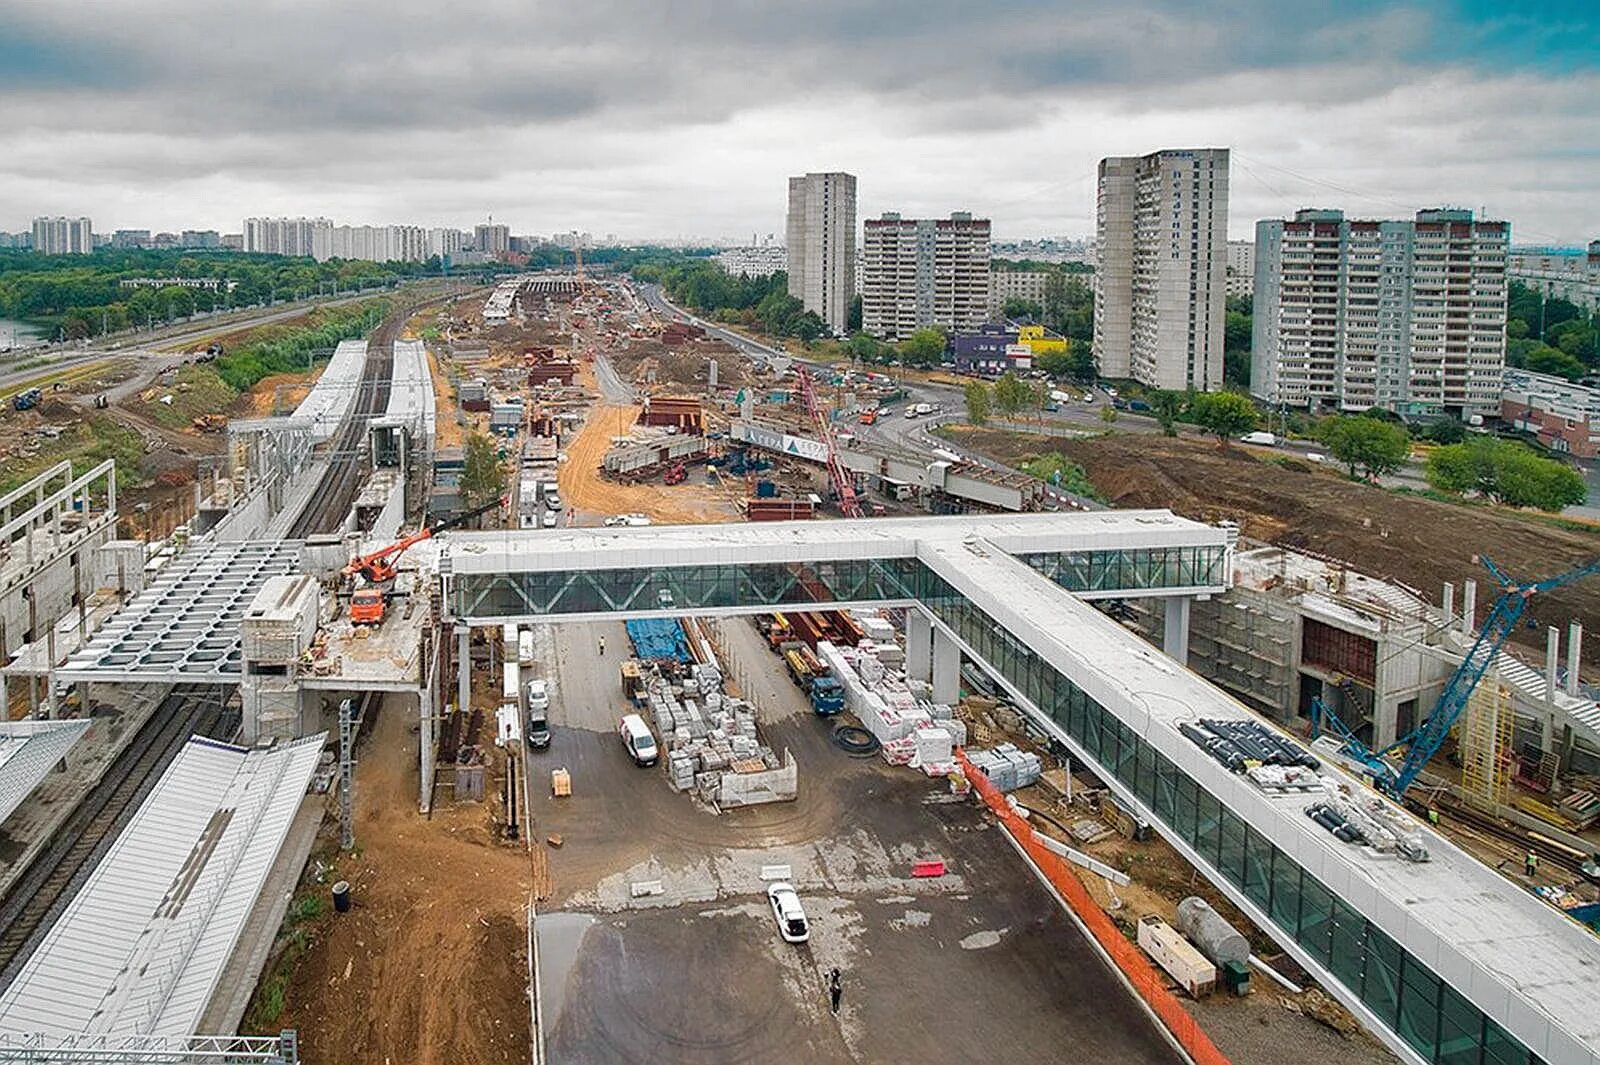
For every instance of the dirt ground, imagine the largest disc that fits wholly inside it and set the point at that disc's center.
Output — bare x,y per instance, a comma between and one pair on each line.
1416,541
583,489
430,964
264,399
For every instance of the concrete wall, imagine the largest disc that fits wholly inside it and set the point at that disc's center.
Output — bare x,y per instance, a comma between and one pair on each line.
51,583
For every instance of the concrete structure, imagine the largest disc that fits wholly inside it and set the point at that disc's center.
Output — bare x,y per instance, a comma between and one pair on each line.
1241,267
821,238
1567,274
140,948
1409,316
760,260
1506,978
491,239
29,751
328,403
1161,234
924,271
63,236
284,236
1007,285
1564,417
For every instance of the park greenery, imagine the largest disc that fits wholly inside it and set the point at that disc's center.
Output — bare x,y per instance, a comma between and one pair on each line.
1224,415
759,303
1550,335
1506,472
1372,445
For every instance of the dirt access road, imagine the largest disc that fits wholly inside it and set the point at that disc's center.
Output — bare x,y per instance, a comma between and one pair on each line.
1416,541
429,967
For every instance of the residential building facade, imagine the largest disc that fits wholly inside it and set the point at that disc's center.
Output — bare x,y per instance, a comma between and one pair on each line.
284,236
446,243
1161,235
821,238
1241,267
492,239
1006,285
63,236
1408,316
924,272
207,239
1563,416
378,244
756,260
1573,276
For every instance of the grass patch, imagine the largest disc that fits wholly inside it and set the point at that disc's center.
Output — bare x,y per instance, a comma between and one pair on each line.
1056,469
85,444
266,1005
198,390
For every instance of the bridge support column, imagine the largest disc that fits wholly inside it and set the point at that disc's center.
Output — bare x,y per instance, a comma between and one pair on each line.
463,669
919,645
946,669
425,756
1175,633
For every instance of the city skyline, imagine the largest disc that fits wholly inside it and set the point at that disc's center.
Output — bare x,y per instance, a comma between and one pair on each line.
1380,108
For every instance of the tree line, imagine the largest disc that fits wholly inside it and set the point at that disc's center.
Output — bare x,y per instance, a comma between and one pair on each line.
1550,335
760,303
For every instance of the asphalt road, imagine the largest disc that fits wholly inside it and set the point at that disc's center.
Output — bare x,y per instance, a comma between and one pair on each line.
981,964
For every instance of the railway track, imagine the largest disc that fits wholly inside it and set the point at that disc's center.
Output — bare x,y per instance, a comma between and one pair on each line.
39,896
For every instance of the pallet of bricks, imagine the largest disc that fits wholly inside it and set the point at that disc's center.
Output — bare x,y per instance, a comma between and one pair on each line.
709,736
910,728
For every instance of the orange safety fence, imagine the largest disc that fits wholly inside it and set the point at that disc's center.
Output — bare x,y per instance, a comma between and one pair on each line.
1135,967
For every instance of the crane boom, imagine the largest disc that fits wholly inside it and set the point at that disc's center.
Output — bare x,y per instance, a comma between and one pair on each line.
843,487
379,566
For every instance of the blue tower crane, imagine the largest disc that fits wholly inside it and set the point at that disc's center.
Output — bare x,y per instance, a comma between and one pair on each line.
1505,614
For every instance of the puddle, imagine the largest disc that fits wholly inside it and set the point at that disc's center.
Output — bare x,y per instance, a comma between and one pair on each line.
560,938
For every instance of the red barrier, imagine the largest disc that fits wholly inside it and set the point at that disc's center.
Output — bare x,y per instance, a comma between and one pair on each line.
1146,980
928,867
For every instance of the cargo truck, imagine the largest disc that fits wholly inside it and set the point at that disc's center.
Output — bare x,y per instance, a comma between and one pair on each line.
822,688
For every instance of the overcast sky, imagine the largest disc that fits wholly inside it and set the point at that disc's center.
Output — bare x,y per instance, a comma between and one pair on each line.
665,118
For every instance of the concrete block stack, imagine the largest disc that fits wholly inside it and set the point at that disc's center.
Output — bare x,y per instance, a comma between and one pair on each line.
888,708
707,736
1007,767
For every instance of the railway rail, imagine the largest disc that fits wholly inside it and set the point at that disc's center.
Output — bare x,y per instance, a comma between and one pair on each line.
54,877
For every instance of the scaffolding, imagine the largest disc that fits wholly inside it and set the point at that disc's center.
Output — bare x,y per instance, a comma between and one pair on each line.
36,1049
1486,743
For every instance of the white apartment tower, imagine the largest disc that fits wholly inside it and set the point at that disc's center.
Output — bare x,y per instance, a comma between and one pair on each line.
285,236
1161,238
63,236
924,271
822,245
1409,316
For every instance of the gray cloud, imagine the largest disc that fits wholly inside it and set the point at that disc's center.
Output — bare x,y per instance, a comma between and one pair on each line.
684,117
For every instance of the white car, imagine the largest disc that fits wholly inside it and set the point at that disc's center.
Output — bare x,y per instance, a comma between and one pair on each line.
786,910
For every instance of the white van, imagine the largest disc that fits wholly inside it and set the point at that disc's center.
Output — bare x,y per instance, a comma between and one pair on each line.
637,740
1265,439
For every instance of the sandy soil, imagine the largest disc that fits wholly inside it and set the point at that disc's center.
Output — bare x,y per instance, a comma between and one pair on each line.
446,430
1413,540
261,399
430,964
582,487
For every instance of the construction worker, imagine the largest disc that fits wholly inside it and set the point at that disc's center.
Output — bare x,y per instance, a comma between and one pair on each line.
1530,865
835,989
1433,817
602,646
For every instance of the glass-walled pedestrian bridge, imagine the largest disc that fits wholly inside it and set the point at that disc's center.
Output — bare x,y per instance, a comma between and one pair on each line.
1446,961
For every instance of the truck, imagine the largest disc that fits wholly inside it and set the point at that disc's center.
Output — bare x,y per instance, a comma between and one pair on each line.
924,409
26,400
821,687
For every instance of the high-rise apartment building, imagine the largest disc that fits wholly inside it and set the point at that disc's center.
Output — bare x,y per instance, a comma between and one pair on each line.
63,236
1241,267
1565,274
446,243
200,238
924,271
378,244
1409,316
822,245
492,239
284,236
1161,236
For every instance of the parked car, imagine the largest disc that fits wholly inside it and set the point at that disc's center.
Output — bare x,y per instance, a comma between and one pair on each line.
637,740
550,517
790,915
536,696
538,729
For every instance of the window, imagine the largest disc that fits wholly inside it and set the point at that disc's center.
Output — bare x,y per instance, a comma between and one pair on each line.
1419,1009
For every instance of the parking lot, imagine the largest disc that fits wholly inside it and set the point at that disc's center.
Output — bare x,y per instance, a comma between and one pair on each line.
979,964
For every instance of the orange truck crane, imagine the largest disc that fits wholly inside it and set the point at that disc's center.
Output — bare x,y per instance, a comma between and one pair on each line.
379,569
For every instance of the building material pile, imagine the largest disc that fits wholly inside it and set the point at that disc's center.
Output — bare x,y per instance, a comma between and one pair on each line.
680,412
713,749
911,730
676,334
658,640
639,459
1007,766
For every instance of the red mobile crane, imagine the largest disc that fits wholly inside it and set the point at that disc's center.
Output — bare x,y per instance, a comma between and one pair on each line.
843,487
381,567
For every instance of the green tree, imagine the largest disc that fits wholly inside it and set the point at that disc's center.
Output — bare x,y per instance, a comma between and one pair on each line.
1055,363
1108,414
925,347
1083,367
1375,447
1507,472
482,477
1225,415
1017,307
1546,359
853,319
1011,394
865,348
1238,338
1167,405
977,394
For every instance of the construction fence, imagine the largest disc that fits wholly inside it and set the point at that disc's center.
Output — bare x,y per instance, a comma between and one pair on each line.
1135,967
